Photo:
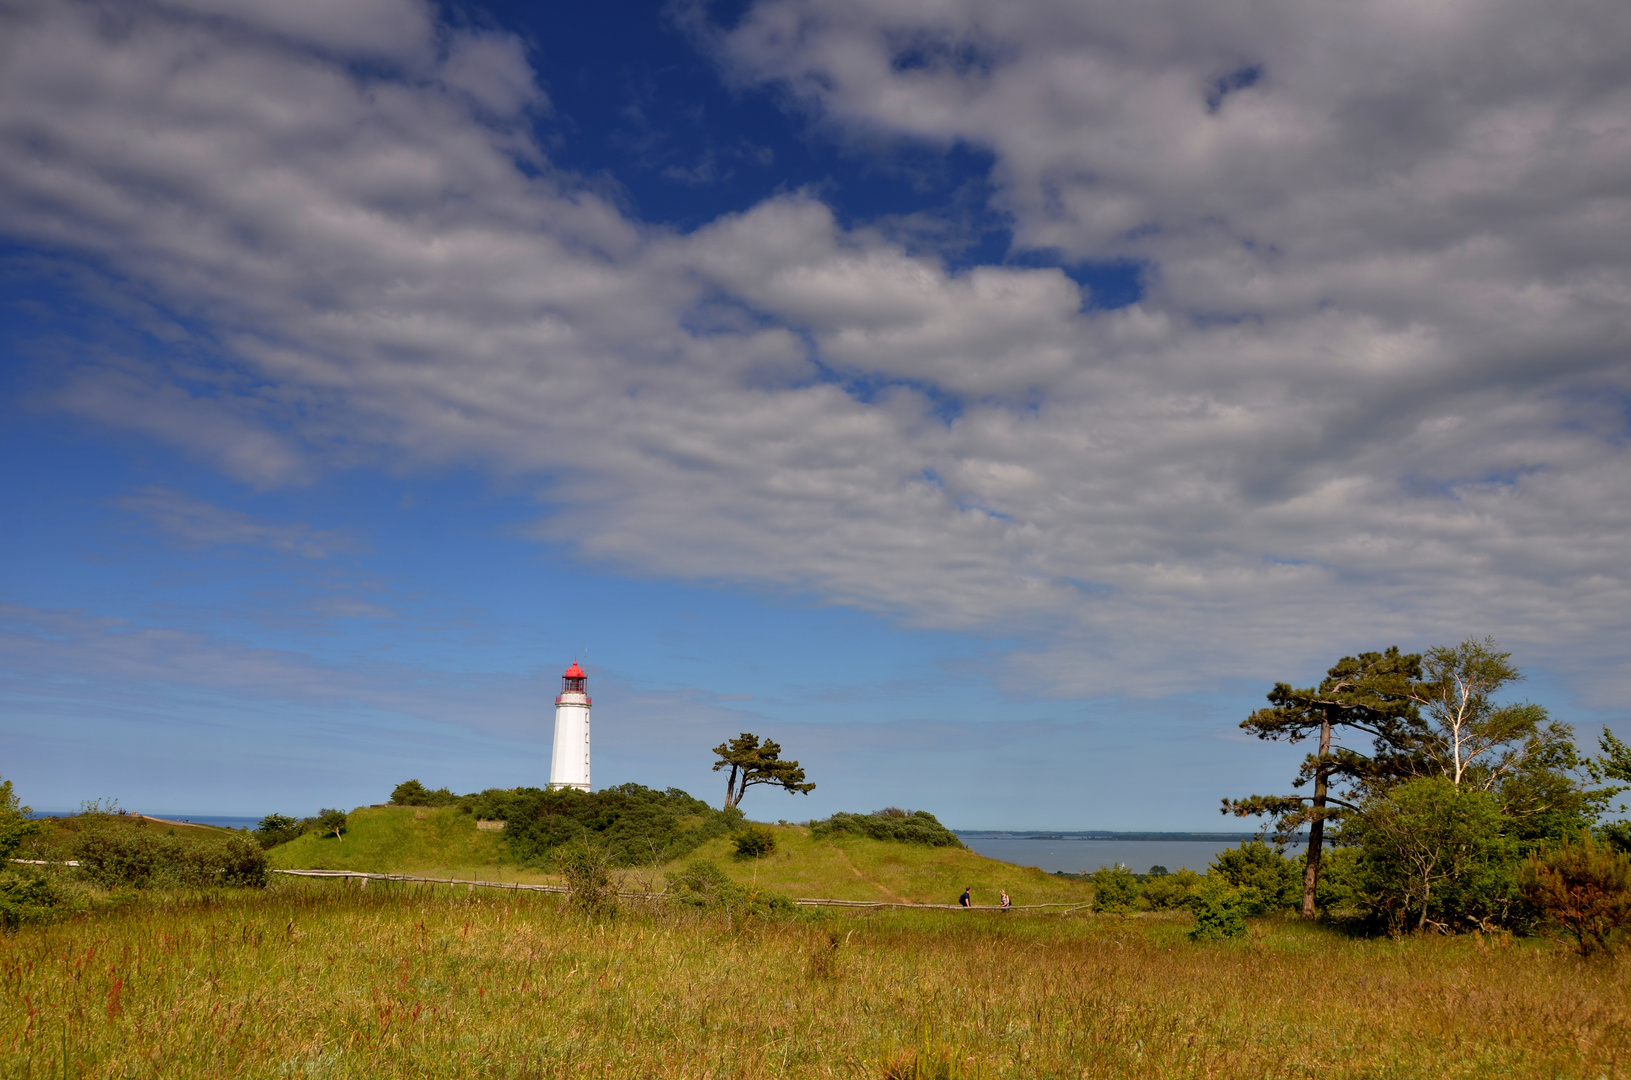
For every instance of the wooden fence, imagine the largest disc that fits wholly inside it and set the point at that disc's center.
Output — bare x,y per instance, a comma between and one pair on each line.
472,884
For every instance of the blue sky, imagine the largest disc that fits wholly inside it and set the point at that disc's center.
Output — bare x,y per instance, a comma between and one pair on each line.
988,402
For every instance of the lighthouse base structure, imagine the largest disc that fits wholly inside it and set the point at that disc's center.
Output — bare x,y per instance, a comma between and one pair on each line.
569,764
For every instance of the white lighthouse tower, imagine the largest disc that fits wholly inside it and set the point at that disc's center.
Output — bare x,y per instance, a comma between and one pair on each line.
569,766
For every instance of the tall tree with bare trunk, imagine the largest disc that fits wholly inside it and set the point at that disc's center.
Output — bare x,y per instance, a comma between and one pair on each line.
1368,695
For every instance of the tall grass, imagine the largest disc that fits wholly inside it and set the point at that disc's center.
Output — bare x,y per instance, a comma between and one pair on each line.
328,980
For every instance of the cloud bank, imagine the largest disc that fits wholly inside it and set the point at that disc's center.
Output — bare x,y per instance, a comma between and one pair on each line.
1376,388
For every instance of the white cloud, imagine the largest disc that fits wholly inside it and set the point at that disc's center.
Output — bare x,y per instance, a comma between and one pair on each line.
194,523
1376,392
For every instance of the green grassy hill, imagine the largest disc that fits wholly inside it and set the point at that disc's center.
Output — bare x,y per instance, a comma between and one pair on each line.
856,868
446,843
441,842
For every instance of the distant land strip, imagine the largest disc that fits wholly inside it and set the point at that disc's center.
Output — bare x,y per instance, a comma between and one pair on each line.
1044,834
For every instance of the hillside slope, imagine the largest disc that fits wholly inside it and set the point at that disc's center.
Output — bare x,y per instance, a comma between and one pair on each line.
440,842
446,843
856,868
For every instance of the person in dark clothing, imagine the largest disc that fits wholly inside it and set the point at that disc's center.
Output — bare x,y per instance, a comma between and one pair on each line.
966,900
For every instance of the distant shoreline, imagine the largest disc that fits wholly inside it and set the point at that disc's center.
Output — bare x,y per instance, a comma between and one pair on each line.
1040,834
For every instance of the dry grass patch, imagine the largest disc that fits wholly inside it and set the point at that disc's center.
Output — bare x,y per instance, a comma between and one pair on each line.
327,980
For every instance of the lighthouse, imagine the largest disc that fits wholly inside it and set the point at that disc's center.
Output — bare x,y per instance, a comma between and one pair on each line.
569,766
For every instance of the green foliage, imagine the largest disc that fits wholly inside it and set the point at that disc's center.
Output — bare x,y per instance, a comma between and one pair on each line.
1340,892
1219,911
1615,764
1583,887
1169,892
28,894
1115,889
1266,881
413,793
1434,854
275,829
891,824
331,823
15,825
752,762
588,877
634,824
1369,694
704,886
755,841
113,855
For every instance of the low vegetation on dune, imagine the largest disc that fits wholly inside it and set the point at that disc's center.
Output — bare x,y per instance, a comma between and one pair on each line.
322,979
411,840
891,823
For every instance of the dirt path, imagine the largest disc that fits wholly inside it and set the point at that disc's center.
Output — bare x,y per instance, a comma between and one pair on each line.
897,897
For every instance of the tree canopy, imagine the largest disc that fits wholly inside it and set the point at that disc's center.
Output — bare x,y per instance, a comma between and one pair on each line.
1368,694
1452,791
752,762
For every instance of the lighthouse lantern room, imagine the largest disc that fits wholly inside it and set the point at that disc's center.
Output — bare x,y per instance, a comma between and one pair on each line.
569,766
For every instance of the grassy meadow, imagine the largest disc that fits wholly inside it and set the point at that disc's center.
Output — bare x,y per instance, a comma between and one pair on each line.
446,843
326,980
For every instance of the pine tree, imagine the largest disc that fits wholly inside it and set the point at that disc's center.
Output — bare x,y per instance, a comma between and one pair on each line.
752,762
1368,694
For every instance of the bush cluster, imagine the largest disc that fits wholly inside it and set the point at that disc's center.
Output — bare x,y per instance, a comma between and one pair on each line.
26,893
704,886
114,857
755,841
892,824
1584,888
1252,879
635,825
275,829
413,793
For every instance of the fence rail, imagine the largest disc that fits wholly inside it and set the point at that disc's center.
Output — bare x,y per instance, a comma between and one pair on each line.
803,901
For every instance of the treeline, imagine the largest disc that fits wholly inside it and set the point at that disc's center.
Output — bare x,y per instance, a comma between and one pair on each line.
1431,804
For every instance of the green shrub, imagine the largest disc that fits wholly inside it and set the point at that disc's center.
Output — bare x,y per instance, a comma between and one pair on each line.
1265,880
27,894
276,829
755,841
331,823
1115,889
241,861
891,824
15,825
636,825
413,793
1434,855
115,856
1583,887
1169,892
1219,910
588,876
703,885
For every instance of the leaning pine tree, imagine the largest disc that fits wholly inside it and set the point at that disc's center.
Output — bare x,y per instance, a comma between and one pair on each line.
752,762
1369,694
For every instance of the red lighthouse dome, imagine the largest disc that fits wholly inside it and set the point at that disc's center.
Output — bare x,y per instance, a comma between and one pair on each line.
574,681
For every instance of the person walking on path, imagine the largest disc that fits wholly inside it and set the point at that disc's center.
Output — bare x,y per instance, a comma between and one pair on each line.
966,900
1006,903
